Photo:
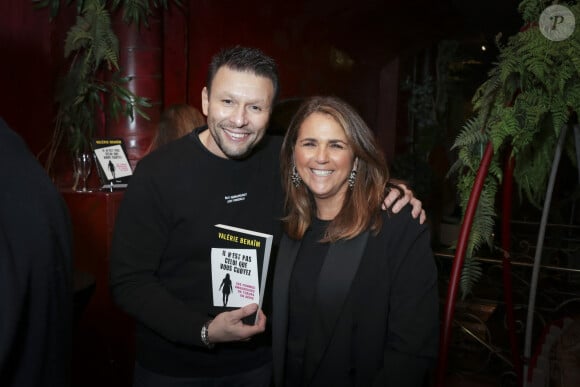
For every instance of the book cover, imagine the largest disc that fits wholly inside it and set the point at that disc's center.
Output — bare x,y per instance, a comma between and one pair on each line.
112,162
239,268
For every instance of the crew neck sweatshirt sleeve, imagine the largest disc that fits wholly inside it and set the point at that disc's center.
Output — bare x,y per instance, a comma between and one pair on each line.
141,233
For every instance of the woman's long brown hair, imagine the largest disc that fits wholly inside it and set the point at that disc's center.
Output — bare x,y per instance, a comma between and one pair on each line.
176,121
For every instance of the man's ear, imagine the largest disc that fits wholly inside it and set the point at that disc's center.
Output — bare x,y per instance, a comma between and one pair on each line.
204,100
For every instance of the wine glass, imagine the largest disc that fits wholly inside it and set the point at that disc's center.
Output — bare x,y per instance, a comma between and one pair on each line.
76,172
84,161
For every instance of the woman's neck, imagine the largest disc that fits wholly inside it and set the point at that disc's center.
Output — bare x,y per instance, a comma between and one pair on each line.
327,210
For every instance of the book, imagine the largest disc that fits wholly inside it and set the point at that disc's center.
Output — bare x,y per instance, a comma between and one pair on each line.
239,268
112,162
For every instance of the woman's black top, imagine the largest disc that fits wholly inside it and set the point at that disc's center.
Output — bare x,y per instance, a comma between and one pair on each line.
302,295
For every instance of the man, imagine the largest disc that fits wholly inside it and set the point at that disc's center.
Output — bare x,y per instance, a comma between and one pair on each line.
35,272
160,265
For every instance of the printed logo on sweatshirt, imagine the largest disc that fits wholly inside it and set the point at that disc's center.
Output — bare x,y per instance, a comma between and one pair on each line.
235,198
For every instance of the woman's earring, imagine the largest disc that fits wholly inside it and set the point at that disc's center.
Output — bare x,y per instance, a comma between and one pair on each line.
295,177
351,178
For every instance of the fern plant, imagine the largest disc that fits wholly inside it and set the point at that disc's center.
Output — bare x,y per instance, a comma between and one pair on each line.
92,49
531,93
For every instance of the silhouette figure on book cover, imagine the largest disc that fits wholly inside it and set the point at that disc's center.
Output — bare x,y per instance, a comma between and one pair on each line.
112,169
226,288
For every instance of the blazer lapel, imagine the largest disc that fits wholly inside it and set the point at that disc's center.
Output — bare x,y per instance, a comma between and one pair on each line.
336,276
284,264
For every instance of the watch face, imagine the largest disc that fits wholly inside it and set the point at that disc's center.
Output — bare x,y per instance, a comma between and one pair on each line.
557,23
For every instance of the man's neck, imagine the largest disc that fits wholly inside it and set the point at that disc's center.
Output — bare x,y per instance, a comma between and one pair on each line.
206,141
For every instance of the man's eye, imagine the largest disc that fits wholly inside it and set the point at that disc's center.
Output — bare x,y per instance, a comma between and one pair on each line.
227,101
255,108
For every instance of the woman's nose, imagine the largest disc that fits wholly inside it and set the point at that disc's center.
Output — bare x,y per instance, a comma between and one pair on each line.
321,154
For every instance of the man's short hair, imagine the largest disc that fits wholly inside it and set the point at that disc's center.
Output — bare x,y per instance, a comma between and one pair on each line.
247,59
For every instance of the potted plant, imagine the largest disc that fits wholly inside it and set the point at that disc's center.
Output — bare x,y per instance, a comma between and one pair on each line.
530,95
523,112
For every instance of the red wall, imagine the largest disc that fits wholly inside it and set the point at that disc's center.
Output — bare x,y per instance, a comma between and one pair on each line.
27,70
32,49
282,31
296,33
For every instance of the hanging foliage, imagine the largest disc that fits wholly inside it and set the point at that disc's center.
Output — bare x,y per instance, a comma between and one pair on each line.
92,51
531,93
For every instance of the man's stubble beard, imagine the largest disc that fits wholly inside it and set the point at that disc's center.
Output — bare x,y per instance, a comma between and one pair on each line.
220,138
217,132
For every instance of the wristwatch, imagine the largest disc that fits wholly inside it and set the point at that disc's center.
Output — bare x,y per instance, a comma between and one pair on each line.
205,335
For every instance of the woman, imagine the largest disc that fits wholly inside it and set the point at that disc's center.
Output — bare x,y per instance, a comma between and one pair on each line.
176,121
355,288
